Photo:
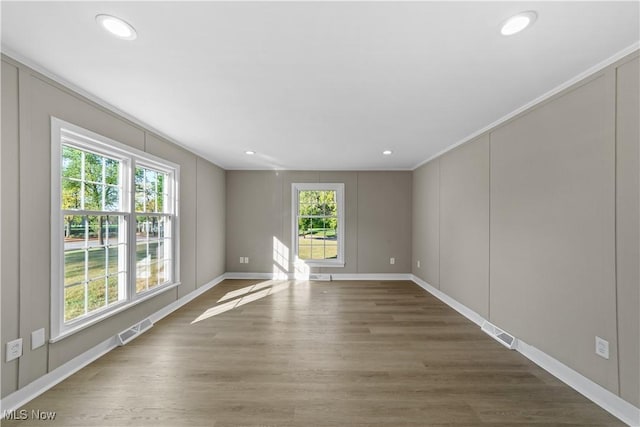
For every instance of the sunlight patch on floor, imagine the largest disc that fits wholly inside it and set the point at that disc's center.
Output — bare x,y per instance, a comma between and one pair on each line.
250,294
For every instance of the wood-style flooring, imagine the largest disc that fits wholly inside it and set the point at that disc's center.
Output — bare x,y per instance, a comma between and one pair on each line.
357,353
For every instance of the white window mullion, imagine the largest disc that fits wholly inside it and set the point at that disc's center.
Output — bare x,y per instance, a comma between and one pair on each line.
144,190
133,225
103,201
124,242
155,194
82,180
106,263
86,264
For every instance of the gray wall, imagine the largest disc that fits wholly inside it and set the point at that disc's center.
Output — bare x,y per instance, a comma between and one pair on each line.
464,224
377,219
426,223
10,216
210,222
628,228
553,228
28,102
533,218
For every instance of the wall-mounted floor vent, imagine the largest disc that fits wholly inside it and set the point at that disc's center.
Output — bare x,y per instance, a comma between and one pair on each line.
499,335
320,277
134,331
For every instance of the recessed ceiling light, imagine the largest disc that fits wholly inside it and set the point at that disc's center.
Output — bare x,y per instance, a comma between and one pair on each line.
249,152
518,22
117,27
387,152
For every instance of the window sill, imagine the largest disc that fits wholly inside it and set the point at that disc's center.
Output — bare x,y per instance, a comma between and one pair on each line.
335,264
99,317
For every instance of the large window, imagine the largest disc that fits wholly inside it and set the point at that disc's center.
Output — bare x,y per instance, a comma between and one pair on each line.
113,220
318,224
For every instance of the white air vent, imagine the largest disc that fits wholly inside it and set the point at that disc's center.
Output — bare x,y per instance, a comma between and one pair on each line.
320,277
499,335
134,331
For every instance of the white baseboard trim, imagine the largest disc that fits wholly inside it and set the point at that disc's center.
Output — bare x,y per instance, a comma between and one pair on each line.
339,276
371,276
32,390
168,309
250,276
460,308
602,397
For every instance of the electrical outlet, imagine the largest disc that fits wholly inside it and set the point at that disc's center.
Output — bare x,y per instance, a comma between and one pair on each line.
246,260
241,260
14,349
418,263
602,347
392,260
37,338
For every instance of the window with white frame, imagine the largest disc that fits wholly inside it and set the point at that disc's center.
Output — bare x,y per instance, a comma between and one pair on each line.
318,223
114,216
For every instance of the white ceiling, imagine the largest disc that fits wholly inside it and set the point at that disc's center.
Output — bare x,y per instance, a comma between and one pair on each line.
324,85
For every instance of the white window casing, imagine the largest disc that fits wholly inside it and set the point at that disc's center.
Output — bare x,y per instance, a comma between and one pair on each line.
296,188
64,134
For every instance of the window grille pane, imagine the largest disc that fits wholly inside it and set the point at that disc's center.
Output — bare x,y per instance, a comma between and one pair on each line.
164,227
143,270
97,294
92,167
74,267
150,190
113,285
71,162
92,196
331,248
161,192
151,228
112,172
111,198
97,265
304,251
71,197
74,298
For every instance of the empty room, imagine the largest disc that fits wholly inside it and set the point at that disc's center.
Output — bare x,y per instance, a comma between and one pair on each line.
321,213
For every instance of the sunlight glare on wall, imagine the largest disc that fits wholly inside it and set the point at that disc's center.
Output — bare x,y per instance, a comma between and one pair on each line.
280,259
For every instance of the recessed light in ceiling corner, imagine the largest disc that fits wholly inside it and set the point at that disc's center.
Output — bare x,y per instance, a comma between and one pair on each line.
518,22
117,27
387,152
249,152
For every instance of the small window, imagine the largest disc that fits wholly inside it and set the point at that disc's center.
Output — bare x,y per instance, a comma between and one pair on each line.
318,224
114,218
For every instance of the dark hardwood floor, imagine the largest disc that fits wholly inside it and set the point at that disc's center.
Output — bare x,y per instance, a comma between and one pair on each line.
255,353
